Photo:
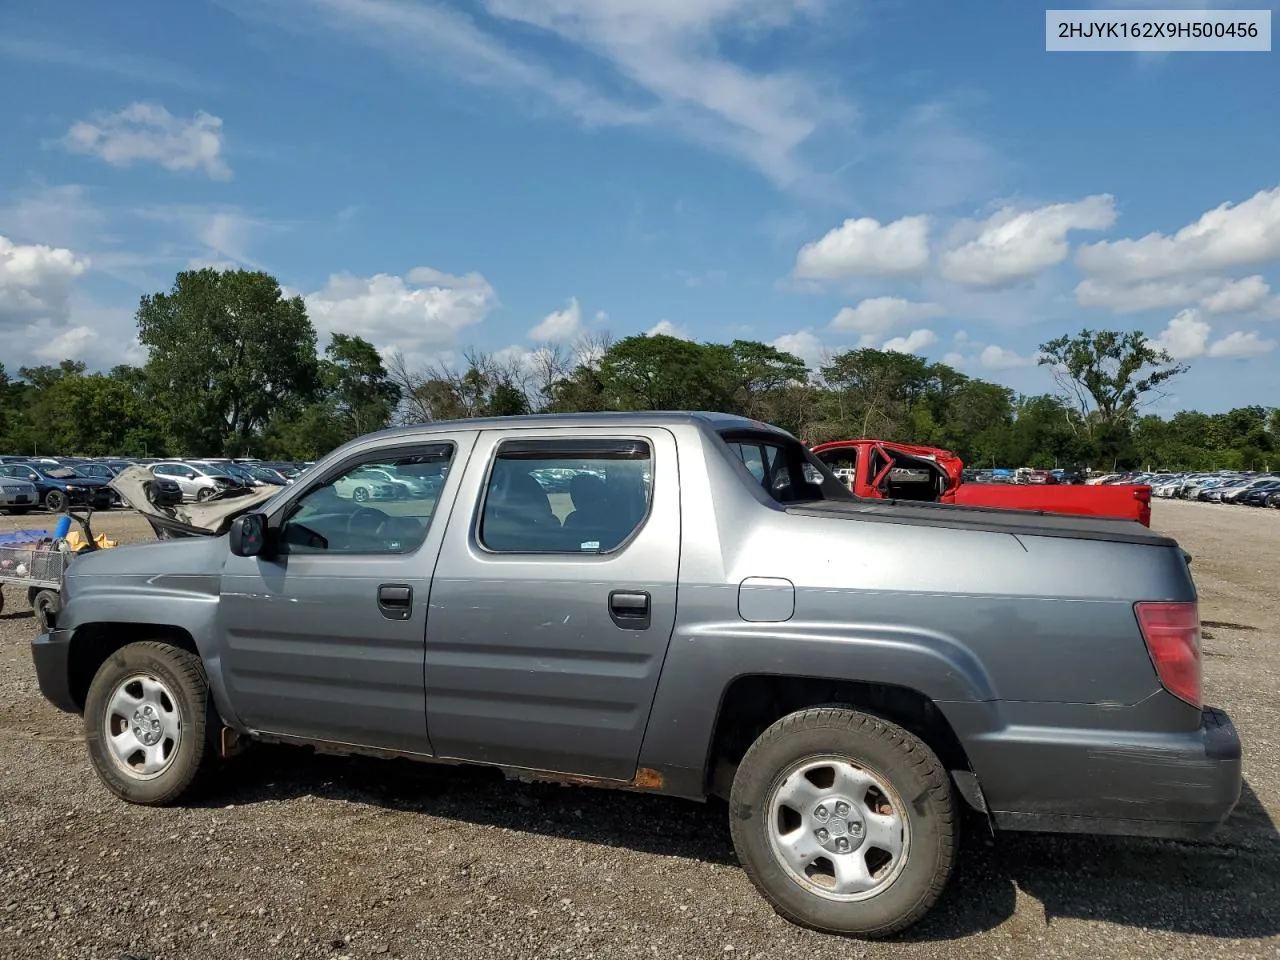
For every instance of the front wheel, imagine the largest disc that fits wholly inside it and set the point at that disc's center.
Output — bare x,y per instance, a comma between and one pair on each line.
55,501
147,718
844,822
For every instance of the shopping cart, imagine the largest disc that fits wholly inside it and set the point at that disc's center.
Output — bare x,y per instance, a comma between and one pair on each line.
36,560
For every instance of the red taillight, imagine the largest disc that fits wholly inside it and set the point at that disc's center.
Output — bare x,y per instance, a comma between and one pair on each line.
1172,633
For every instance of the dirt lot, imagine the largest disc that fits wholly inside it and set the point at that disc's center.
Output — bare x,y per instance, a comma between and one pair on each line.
295,855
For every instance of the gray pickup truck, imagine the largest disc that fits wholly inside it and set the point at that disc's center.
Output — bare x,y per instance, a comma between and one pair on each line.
679,603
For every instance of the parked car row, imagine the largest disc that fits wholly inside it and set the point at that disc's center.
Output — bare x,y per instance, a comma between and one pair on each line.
1249,489
56,483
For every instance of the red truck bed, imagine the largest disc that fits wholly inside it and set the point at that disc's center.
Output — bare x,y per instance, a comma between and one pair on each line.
880,469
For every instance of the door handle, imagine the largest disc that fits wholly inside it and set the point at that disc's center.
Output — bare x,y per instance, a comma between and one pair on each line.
630,609
395,600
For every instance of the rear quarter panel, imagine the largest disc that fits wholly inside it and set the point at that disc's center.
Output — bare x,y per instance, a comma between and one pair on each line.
974,619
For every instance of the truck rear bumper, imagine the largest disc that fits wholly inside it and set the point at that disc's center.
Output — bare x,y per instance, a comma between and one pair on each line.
1180,785
49,653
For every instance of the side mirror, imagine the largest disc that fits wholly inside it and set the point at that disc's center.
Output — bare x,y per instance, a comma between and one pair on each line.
248,535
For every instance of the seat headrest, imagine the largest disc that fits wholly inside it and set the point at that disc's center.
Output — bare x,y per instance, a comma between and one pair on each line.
586,490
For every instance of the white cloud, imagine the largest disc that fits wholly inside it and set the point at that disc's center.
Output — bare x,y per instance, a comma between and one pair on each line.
665,328
430,310
213,234
913,342
560,325
665,63
36,282
1012,245
1152,295
876,316
61,216
804,344
1223,239
1187,336
149,133
957,360
1240,344
1238,296
70,344
865,247
1001,358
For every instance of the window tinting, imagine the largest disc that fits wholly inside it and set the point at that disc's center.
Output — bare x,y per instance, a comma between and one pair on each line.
566,496
367,509
784,468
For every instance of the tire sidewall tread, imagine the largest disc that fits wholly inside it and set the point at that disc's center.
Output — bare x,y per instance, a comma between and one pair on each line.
896,755
184,675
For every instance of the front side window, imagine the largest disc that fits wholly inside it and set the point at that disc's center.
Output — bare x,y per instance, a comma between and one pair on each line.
359,512
566,496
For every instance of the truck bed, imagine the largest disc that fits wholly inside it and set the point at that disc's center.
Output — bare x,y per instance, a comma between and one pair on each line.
1031,523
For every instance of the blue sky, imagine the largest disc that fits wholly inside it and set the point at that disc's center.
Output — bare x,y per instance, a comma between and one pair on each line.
818,174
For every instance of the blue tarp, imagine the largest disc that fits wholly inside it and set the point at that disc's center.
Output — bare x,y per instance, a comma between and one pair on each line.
19,537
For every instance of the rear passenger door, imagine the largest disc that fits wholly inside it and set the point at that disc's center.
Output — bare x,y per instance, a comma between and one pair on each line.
554,601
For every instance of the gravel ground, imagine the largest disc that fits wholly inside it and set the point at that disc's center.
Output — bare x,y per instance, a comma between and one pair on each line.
297,855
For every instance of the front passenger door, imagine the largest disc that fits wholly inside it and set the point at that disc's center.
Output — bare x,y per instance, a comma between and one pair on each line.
323,638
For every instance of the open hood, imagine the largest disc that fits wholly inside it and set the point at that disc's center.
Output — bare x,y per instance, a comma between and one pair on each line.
208,519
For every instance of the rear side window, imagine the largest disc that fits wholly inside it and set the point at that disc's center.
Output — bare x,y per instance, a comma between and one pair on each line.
566,496
784,468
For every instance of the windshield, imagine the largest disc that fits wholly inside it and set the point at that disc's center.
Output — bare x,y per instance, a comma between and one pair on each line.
58,473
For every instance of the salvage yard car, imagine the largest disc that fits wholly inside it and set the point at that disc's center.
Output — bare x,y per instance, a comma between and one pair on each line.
702,610
880,469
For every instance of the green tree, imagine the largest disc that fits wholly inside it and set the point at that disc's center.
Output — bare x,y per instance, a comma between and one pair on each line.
227,352
100,415
664,373
1107,376
874,391
356,383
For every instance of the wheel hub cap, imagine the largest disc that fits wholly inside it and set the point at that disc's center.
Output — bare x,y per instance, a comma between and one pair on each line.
839,829
837,826
142,726
146,725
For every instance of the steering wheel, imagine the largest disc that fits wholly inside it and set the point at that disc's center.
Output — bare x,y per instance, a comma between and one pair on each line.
365,522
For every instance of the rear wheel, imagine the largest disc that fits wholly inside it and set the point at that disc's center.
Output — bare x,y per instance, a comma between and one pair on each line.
360,495
147,720
844,822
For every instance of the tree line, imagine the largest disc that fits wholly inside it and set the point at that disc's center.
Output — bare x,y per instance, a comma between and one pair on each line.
234,369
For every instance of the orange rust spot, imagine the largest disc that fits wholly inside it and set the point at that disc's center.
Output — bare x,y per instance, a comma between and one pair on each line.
647,779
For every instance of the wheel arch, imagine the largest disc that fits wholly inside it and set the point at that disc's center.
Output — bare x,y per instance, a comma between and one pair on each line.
752,702
92,643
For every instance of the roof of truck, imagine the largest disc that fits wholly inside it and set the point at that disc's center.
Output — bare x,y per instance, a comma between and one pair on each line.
643,418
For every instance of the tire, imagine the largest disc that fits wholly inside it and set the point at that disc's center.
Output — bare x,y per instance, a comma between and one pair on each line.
205,494
55,501
182,719
47,604
360,495
874,766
